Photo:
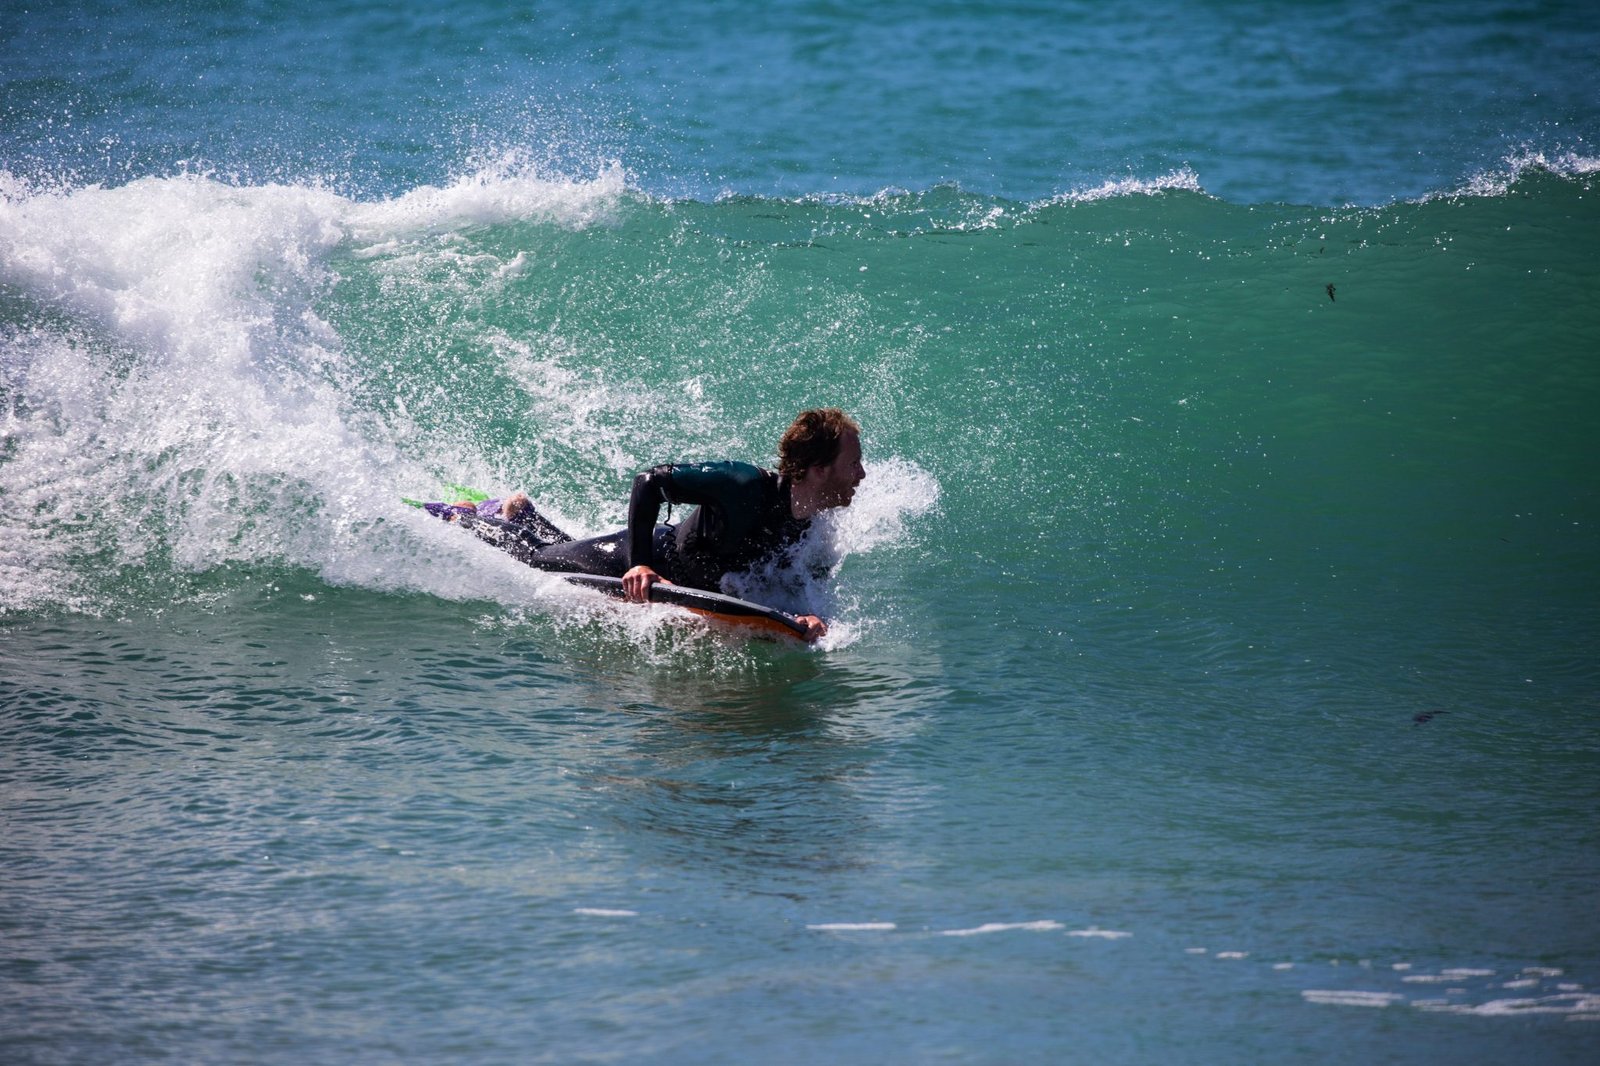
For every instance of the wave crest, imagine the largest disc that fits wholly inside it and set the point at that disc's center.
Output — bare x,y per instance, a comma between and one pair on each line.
1519,166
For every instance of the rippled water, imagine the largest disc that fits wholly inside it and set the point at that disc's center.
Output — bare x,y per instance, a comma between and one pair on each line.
1211,675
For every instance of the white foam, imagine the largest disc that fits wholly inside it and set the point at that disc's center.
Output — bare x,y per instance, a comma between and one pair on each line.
1578,1006
195,400
1003,927
1350,998
604,912
895,492
852,927
1095,932
169,383
1515,166
1182,180
573,400
507,189
1446,976
169,264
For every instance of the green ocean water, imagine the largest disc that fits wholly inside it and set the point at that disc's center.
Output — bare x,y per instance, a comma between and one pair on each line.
1200,638
1212,666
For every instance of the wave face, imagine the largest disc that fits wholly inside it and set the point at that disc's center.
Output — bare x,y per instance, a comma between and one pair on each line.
1212,637
200,373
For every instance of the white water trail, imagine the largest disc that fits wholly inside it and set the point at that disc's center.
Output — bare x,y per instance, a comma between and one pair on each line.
174,389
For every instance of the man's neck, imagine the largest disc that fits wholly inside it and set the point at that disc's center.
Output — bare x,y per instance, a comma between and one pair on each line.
803,500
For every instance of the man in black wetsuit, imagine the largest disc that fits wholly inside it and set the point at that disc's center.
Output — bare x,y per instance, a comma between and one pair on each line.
743,516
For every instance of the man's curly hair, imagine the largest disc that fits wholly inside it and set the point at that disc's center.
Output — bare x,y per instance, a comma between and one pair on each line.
813,439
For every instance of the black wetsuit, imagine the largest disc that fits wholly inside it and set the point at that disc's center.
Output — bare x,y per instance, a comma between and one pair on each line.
741,518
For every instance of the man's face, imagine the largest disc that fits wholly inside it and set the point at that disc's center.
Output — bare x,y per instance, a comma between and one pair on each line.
838,480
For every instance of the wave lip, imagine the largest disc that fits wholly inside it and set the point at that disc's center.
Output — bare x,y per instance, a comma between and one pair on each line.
1515,167
168,263
1183,180
507,190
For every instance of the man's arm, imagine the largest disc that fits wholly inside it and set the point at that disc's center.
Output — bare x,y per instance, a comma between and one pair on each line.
728,488
644,508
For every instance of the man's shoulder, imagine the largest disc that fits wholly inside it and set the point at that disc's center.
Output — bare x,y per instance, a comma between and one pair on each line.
726,471
732,488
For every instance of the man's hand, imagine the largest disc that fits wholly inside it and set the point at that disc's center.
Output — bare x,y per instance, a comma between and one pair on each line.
816,628
636,583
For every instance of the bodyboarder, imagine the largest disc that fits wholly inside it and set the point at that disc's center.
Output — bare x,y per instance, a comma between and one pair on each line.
744,516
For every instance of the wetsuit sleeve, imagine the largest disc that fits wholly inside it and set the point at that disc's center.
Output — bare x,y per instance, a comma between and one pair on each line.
732,490
644,507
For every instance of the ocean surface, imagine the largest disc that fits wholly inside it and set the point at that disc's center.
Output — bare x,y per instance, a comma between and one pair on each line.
1214,672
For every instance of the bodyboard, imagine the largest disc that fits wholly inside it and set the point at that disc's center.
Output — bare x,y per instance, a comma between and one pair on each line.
710,605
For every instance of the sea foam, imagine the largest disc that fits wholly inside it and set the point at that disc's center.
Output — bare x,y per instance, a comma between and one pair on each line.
180,390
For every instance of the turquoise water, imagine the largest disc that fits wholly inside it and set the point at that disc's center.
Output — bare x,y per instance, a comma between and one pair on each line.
1212,676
